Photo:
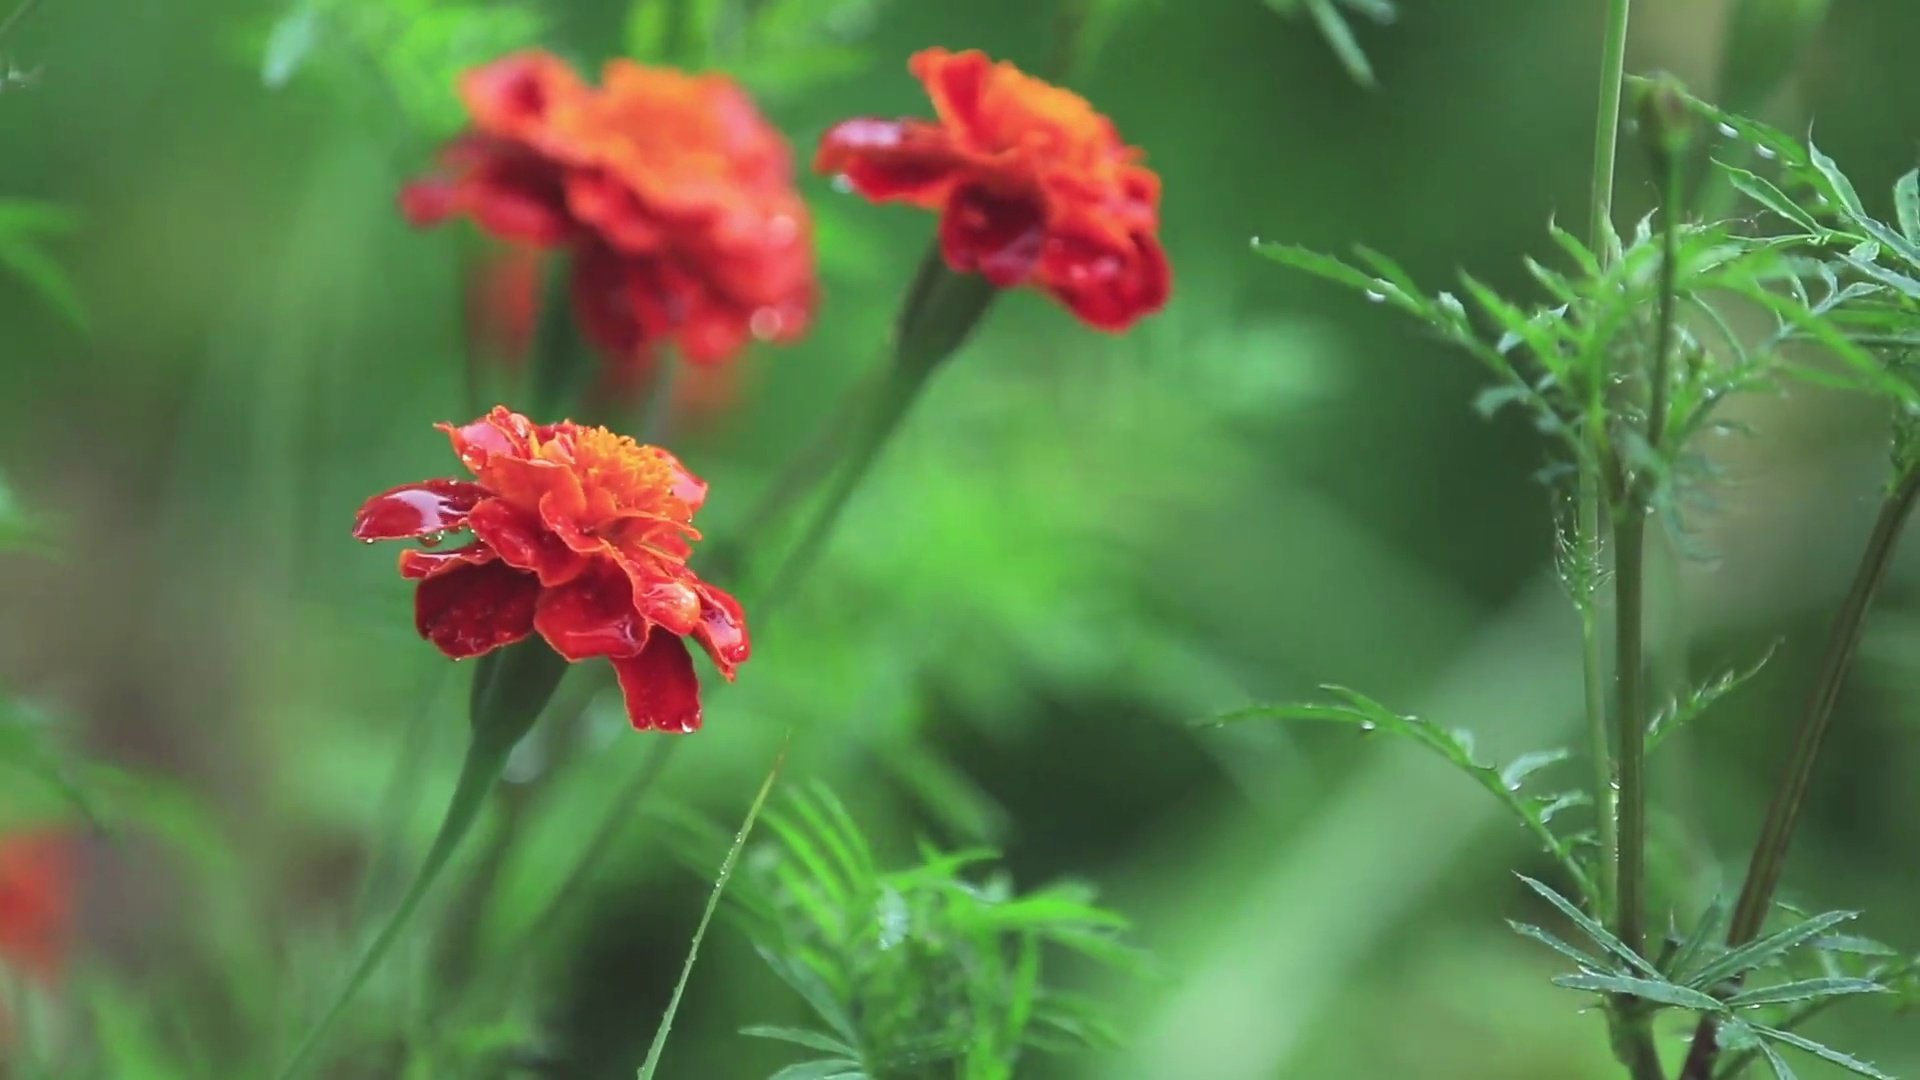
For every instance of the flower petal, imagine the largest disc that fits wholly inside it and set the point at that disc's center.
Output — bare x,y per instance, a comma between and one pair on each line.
1108,289
591,616
37,874
890,160
515,95
999,236
662,692
416,563
474,609
522,541
722,630
427,508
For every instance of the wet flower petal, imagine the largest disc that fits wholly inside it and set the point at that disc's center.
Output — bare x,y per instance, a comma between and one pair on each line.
581,535
674,193
428,508
473,609
661,690
1032,185
592,616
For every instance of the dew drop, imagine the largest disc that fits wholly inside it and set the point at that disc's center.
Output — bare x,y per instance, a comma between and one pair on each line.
1728,131
1367,727
1765,152
765,323
841,184
1376,297
1254,241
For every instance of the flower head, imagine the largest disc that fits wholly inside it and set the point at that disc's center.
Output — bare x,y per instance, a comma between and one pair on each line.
36,902
1032,185
578,534
674,193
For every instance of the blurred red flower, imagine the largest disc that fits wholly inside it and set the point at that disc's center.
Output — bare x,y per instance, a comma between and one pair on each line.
579,534
1032,185
36,901
674,194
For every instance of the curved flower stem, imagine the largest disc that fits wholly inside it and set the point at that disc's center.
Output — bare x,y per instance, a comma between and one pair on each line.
1783,814
484,762
941,310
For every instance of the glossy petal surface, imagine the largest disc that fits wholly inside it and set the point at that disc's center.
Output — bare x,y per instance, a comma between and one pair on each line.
1032,185
674,193
578,533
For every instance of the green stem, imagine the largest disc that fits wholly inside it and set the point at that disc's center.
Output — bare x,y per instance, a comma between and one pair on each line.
1593,678
1588,496
1606,134
659,1046
484,762
1789,798
26,7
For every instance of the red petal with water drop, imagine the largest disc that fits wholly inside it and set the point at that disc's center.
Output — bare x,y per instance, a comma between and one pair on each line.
423,509
476,608
592,616
661,690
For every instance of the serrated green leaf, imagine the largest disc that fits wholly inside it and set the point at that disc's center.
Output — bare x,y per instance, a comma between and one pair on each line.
1702,941
1803,990
812,1040
1824,1053
1837,181
1658,991
1324,266
823,1069
1764,192
1572,953
1757,953
1515,773
1853,945
1601,935
1682,711
1906,204
1346,48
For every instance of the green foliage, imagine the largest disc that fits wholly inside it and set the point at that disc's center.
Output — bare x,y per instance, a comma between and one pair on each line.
1703,977
411,51
1327,15
652,1063
776,47
1535,812
1683,710
25,227
933,969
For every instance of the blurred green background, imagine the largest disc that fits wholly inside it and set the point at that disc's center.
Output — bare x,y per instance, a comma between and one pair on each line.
1078,545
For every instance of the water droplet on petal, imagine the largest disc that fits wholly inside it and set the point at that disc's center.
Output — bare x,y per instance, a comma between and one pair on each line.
841,184
766,323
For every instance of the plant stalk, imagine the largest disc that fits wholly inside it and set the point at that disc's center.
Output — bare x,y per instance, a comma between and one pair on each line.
1588,494
1789,798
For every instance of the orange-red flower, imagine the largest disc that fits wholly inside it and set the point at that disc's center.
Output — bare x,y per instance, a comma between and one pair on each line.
1032,185
674,193
579,534
36,902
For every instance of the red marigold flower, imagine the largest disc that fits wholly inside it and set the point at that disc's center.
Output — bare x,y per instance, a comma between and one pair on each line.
579,534
1032,185
674,193
36,902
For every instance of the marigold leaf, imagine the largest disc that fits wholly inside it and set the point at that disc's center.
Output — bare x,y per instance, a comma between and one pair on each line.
1756,953
1803,990
1585,960
1600,934
1655,990
1680,712
812,1040
1825,1053
1906,204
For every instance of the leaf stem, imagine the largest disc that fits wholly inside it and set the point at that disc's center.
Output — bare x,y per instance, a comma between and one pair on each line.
1783,813
652,1063
1606,135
